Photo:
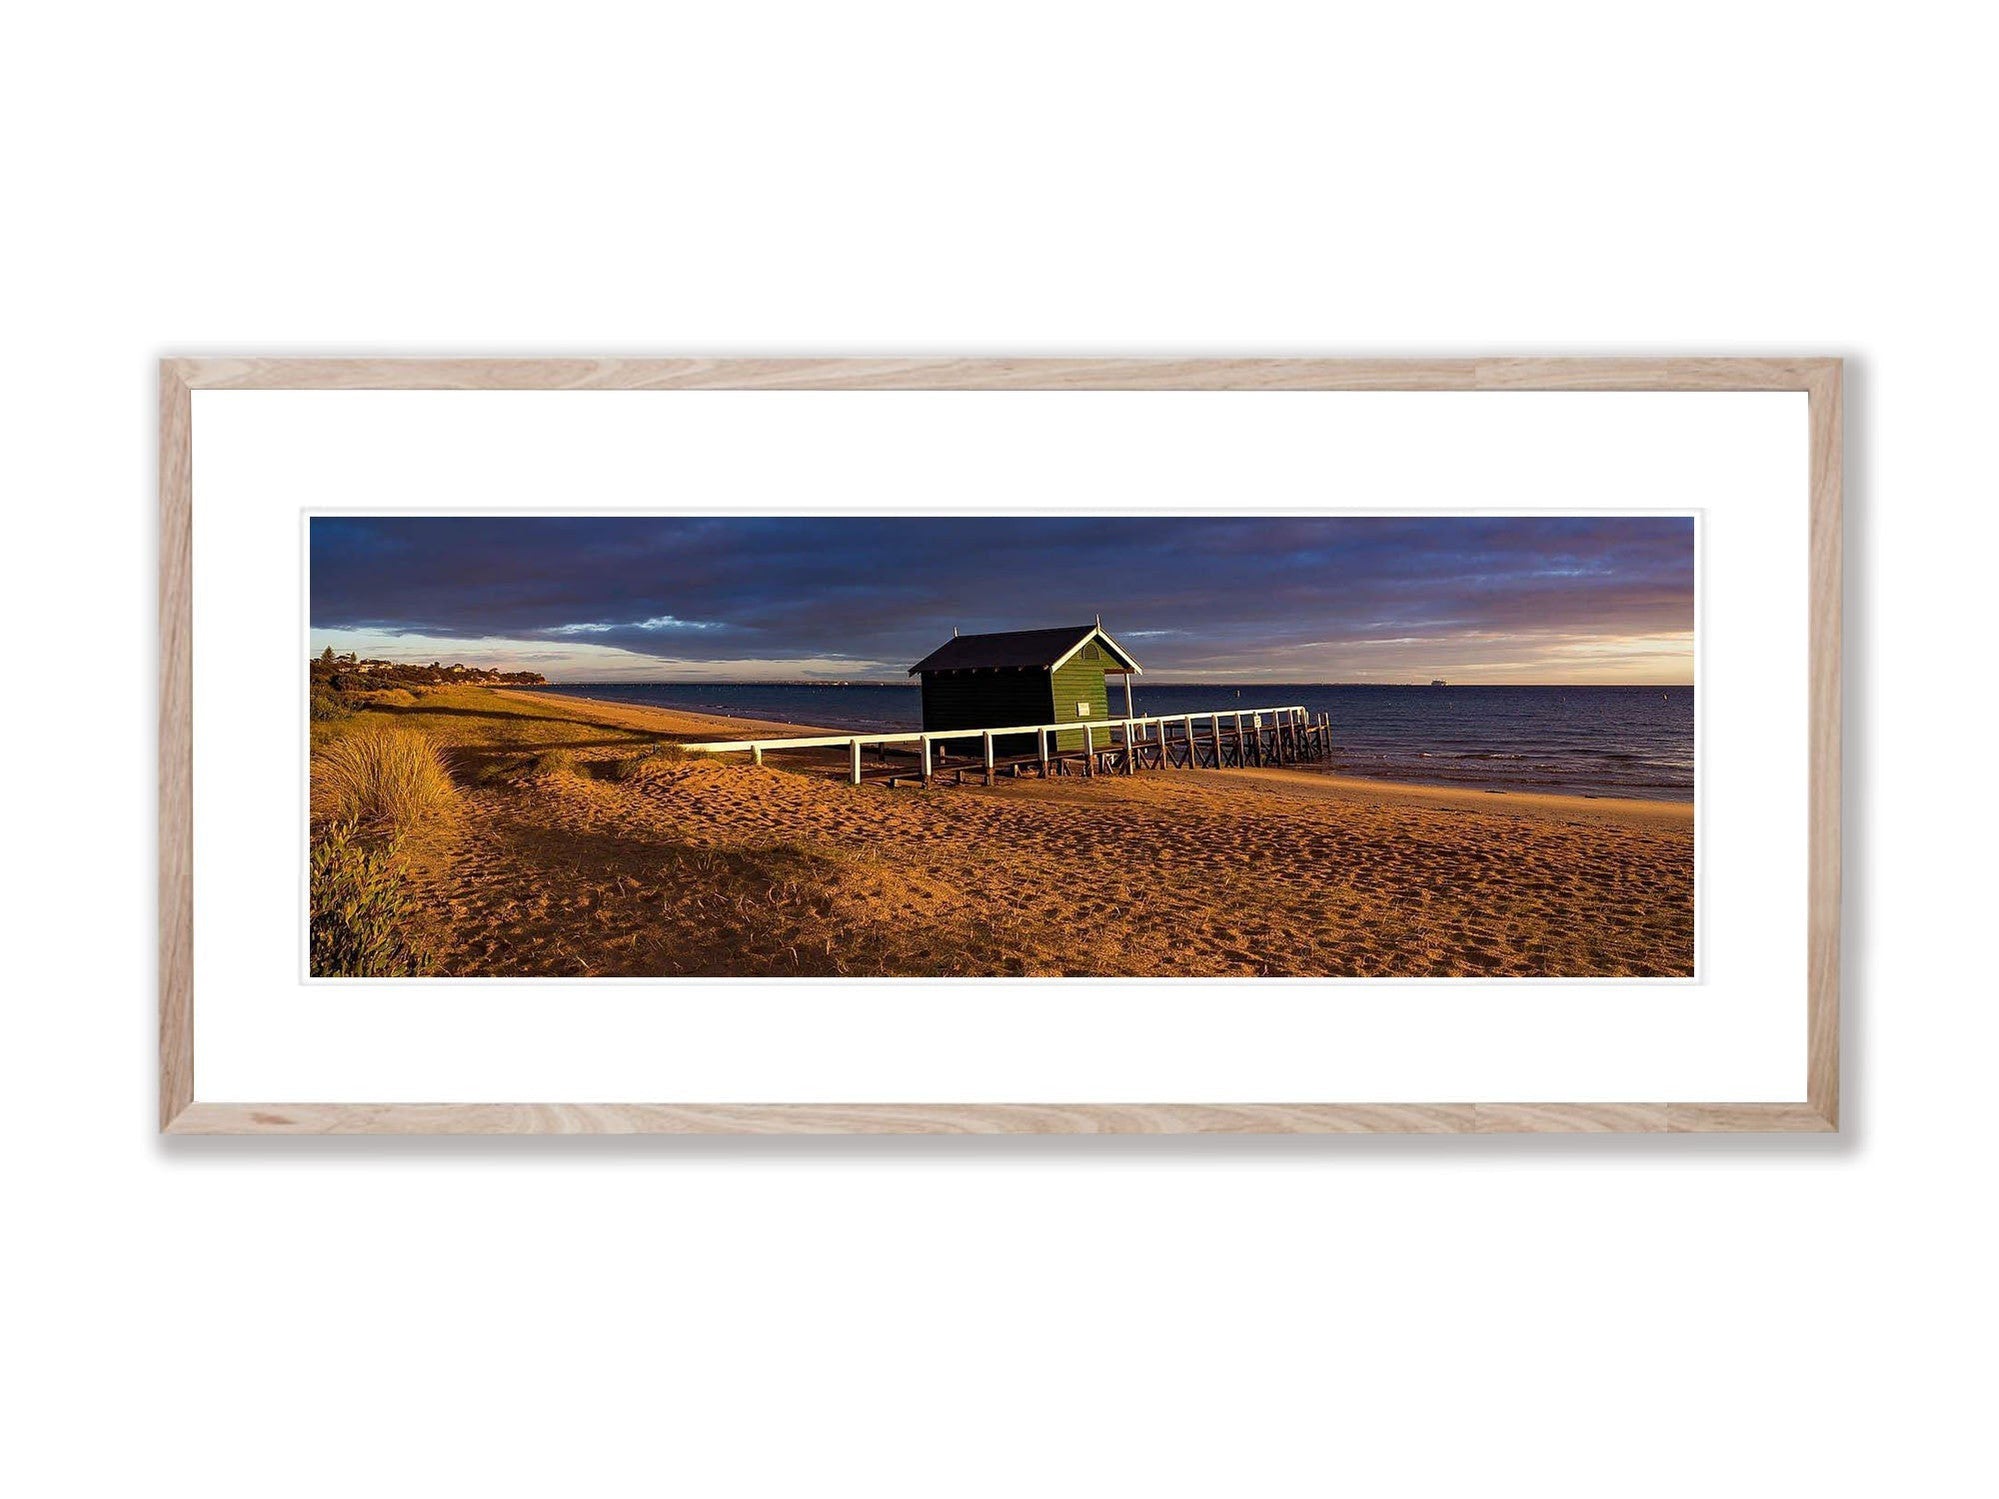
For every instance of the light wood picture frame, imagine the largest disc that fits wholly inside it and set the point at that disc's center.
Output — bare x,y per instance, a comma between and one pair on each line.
183,1111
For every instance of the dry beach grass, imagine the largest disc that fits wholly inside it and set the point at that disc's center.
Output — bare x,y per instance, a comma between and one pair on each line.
379,775
584,843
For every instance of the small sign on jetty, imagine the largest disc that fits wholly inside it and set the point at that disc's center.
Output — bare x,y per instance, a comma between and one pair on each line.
995,705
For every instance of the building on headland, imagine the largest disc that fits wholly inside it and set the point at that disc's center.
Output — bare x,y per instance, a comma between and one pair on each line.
1024,677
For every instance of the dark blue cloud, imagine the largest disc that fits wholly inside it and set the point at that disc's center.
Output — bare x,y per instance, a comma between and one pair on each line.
1203,594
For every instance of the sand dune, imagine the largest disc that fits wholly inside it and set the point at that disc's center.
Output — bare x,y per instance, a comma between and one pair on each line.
717,867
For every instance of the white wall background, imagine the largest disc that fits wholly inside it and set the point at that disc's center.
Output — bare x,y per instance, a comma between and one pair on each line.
994,1317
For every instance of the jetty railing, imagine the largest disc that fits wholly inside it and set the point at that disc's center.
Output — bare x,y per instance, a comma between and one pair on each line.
1233,737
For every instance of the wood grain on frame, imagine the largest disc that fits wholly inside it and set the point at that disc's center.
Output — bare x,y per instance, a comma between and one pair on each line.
992,1118
176,789
1823,728
1002,374
1819,378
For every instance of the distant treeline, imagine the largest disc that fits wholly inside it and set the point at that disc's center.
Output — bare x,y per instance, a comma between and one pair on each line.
350,674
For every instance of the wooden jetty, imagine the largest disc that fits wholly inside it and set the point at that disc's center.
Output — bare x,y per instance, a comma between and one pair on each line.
1219,740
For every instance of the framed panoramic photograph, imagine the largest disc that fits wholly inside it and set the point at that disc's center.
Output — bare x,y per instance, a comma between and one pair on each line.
1059,746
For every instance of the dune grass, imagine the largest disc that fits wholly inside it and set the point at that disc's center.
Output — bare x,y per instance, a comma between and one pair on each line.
371,788
628,768
552,762
380,777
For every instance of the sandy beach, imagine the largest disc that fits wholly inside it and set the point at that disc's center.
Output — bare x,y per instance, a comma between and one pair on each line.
568,850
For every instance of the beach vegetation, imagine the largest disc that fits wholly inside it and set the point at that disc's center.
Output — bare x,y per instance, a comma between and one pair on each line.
485,770
629,767
551,762
328,705
362,909
380,778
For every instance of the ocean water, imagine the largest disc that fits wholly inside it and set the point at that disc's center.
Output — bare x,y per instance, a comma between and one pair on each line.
1591,741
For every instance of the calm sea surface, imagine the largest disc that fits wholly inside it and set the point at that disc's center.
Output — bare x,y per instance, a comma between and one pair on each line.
1595,741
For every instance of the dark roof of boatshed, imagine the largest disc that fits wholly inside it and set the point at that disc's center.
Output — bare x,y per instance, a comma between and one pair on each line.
1014,649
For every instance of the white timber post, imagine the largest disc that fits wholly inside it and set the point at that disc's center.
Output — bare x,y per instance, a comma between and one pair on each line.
989,756
1041,744
1187,724
926,759
1089,751
757,754
1128,709
857,762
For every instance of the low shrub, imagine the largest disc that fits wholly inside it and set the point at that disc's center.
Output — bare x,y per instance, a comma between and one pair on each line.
652,754
380,778
552,762
328,705
486,769
361,908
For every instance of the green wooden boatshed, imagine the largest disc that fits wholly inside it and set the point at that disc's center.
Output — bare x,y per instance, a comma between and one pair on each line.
1024,677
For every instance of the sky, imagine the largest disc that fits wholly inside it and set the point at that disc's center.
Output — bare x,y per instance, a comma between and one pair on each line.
1601,599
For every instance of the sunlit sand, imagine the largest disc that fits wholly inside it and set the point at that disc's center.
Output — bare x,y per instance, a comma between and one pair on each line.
569,852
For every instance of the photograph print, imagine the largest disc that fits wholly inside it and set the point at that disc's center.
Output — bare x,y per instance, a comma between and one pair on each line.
1121,746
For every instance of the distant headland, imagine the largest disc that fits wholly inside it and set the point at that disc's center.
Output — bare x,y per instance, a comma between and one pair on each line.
349,675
